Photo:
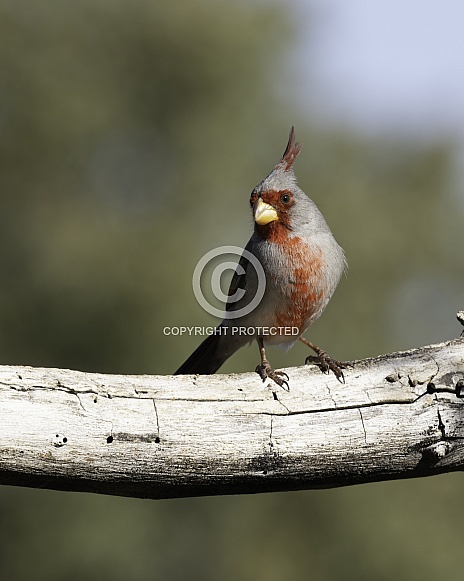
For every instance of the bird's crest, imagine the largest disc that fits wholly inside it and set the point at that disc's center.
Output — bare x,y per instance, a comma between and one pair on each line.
291,151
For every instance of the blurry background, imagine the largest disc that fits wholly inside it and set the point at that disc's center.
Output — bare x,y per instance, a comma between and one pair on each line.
131,134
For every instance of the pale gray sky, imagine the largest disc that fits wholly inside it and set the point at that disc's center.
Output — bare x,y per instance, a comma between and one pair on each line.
383,65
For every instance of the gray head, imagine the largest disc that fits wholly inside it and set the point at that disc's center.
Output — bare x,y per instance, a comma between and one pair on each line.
279,206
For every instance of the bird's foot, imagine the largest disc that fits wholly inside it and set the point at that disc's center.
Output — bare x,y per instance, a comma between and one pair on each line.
327,364
264,370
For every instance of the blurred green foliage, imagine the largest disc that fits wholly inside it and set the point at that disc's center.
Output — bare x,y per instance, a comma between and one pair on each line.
131,134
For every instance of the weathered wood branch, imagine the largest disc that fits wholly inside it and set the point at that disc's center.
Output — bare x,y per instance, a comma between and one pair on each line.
397,416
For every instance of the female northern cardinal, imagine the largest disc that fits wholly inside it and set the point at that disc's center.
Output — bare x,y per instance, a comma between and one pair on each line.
302,264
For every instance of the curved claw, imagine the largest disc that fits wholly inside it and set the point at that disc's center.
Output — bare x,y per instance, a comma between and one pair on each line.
327,364
264,370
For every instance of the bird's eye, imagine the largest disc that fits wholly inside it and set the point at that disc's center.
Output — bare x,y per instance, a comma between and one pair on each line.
285,198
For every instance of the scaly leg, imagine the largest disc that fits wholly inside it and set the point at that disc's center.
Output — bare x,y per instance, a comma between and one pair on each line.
325,362
264,370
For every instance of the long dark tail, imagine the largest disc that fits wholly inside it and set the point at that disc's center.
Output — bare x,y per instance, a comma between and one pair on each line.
209,356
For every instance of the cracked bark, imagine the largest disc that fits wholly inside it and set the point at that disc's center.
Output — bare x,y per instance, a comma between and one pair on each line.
397,416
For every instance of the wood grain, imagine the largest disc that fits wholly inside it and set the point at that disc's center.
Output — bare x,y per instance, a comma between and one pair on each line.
397,416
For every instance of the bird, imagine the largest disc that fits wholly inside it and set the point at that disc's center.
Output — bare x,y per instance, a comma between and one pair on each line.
302,264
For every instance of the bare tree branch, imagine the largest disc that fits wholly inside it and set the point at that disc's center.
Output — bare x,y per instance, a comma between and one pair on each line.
397,416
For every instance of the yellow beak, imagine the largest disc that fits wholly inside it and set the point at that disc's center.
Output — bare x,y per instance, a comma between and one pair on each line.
264,213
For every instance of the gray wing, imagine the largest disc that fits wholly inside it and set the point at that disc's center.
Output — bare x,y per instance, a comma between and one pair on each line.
242,280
